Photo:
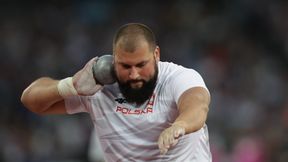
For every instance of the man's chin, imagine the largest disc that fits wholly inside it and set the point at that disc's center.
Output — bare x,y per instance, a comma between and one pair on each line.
136,86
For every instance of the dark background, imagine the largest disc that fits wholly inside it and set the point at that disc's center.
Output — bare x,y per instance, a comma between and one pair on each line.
240,47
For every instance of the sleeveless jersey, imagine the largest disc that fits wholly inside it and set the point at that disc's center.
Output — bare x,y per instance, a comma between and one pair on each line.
129,132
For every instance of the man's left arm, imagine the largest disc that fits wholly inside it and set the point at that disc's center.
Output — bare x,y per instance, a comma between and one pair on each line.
193,107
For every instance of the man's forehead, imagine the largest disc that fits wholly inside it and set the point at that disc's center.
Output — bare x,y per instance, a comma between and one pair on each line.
141,52
131,60
131,44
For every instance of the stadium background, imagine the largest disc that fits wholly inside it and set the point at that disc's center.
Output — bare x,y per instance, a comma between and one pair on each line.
239,46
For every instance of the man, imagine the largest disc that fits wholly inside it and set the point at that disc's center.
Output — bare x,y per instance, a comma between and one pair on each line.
156,111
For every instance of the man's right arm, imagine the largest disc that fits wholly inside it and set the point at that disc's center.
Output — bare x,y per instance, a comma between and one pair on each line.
42,97
46,95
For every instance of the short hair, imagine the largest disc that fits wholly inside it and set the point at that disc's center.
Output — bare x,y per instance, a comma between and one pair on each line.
131,33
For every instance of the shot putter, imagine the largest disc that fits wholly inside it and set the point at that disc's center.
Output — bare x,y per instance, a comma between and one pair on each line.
103,71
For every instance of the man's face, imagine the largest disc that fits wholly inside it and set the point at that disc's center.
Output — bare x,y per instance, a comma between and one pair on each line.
136,72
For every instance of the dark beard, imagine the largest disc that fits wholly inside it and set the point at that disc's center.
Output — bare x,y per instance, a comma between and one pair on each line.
139,95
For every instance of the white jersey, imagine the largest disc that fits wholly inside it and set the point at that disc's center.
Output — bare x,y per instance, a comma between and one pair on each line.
130,133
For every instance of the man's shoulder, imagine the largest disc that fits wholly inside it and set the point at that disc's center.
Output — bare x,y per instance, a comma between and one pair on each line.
169,71
170,68
168,65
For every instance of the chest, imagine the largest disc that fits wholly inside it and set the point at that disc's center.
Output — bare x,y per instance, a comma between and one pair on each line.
117,115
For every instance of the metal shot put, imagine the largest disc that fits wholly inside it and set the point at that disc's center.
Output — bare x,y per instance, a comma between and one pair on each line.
103,71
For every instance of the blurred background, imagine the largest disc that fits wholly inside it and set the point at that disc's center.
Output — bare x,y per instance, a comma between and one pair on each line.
240,47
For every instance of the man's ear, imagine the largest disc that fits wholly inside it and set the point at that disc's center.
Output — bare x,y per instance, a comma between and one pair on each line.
157,53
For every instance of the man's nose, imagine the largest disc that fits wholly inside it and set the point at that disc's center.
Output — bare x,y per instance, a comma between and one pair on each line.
133,74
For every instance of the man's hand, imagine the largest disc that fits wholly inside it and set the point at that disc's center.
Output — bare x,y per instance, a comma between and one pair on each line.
82,83
83,80
170,136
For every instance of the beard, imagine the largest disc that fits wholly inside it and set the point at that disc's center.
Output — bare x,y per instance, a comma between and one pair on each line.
138,95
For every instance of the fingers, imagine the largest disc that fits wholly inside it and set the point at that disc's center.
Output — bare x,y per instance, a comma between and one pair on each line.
169,138
163,149
91,62
179,132
166,140
83,80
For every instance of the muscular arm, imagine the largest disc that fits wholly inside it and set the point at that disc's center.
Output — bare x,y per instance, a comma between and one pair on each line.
46,95
193,108
42,97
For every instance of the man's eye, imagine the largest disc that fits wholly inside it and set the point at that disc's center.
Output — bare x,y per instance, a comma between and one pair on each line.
126,66
141,65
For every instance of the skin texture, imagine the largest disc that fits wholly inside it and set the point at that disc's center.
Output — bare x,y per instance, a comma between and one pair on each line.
42,97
